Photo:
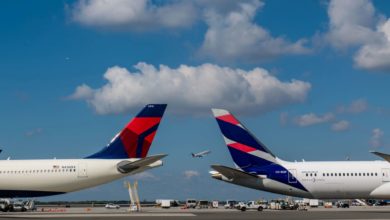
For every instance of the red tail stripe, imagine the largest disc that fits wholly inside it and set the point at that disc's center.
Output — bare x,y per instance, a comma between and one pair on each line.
147,142
242,147
229,118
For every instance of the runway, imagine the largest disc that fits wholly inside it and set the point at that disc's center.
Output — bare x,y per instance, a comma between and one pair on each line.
372,213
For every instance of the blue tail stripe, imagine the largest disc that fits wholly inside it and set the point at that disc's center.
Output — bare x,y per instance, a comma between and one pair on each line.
114,150
240,135
142,137
243,159
153,110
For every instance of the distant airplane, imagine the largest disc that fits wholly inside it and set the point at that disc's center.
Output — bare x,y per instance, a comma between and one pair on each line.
258,168
125,155
201,154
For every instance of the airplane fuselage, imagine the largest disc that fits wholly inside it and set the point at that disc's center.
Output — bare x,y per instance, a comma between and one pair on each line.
32,178
325,180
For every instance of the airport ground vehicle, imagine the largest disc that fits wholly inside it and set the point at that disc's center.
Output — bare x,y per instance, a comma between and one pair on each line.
380,203
191,203
7,205
342,204
230,204
313,203
112,206
203,204
258,168
251,205
165,203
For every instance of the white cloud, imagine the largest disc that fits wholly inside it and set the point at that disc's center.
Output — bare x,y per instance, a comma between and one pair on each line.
355,23
82,92
351,23
144,176
376,138
34,132
233,35
283,118
376,55
194,89
357,106
342,125
188,174
135,15
312,119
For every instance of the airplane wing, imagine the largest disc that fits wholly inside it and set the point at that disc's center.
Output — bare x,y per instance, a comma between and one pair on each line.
128,166
383,155
232,173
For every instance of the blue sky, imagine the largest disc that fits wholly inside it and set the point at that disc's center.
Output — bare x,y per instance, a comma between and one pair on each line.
309,78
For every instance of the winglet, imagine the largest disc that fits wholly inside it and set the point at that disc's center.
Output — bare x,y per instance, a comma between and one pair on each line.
383,155
127,166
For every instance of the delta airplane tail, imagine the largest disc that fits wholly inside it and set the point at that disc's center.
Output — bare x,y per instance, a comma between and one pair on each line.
135,139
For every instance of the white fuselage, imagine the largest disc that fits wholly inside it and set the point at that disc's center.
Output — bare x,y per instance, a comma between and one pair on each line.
60,175
329,180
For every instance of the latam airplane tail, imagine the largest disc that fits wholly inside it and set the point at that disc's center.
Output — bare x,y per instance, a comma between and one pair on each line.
247,152
135,139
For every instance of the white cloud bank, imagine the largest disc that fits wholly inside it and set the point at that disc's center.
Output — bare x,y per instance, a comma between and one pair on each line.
189,174
313,119
135,15
376,138
342,125
357,106
234,35
355,23
192,89
350,22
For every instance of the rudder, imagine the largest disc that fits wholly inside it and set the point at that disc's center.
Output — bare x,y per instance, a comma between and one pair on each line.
135,139
244,147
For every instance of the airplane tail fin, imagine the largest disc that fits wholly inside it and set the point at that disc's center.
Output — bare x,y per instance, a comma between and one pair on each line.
246,150
135,139
193,155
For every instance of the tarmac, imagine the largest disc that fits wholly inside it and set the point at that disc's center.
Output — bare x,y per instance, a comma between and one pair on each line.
374,213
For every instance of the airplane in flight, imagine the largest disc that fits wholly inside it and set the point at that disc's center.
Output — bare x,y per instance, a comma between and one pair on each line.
125,155
258,168
201,154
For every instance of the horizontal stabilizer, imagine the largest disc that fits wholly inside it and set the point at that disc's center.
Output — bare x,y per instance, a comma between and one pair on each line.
127,166
232,173
383,155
